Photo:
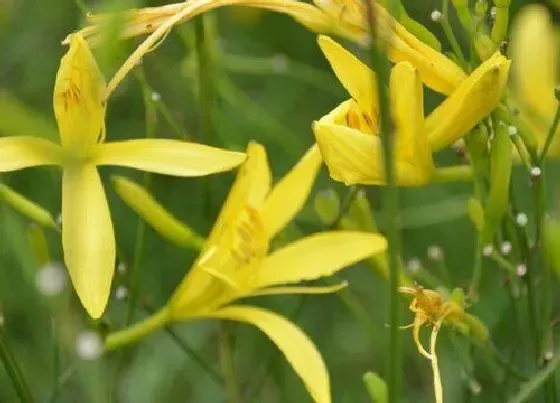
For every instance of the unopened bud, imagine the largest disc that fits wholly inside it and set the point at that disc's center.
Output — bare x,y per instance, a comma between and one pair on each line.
487,250
521,269
413,265
521,219
51,279
435,253
436,16
505,248
89,346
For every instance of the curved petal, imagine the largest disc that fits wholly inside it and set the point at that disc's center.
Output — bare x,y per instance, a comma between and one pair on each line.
168,157
352,157
317,256
471,102
25,151
413,156
534,50
289,195
354,75
292,290
87,237
80,98
299,350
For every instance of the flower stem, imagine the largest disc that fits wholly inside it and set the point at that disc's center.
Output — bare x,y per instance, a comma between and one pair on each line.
13,370
550,135
456,173
448,31
139,330
380,64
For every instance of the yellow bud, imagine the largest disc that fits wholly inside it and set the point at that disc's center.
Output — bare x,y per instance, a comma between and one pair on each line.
476,213
26,207
142,202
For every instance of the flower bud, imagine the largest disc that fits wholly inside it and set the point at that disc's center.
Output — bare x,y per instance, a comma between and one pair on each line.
26,207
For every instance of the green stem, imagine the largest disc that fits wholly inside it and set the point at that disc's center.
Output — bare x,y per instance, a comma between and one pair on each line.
139,330
380,64
448,31
550,135
228,365
456,173
14,372
537,381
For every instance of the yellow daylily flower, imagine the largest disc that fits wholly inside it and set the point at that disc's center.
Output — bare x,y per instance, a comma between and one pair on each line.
348,136
346,18
79,102
534,51
235,263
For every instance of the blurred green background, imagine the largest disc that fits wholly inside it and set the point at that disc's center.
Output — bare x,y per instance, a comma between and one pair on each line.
271,82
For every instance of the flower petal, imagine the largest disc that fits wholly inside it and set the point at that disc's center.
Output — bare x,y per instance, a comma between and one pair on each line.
351,156
317,256
80,98
354,75
292,290
534,50
87,237
24,151
251,184
289,195
473,100
299,350
169,157
413,157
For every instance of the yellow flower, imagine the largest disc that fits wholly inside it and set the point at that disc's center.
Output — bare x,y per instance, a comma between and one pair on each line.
79,102
534,50
235,263
348,137
346,18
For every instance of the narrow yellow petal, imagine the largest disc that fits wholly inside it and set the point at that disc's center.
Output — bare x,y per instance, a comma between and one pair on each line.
87,237
299,350
23,151
413,156
80,98
251,184
475,98
163,222
328,289
354,75
534,51
316,256
289,195
351,156
169,157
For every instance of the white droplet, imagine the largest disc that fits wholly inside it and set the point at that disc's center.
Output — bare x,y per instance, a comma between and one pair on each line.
548,355
521,219
89,346
475,387
521,269
121,292
279,63
436,16
156,97
493,12
413,265
505,248
121,268
536,172
435,253
51,279
512,130
487,250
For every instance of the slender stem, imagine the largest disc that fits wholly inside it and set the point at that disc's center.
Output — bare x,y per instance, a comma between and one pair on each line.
381,66
139,330
14,372
456,173
550,135
228,365
537,381
448,31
